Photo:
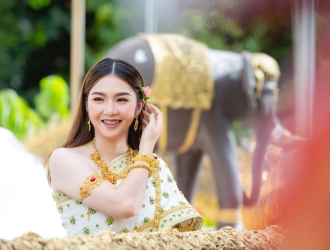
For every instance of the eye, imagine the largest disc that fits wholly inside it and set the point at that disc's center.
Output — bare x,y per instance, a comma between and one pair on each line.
122,100
97,99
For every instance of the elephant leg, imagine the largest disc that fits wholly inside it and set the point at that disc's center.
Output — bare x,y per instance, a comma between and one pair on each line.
187,168
221,147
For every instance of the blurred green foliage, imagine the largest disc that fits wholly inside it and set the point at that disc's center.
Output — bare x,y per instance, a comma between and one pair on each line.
103,29
258,26
35,40
53,97
16,114
38,4
208,223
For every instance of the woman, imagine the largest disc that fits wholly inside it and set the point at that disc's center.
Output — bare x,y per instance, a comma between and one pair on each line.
135,191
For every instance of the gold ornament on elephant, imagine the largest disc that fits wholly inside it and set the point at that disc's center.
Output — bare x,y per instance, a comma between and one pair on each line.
189,84
265,68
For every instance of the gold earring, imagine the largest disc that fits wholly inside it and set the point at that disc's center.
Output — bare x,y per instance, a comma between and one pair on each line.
136,123
89,124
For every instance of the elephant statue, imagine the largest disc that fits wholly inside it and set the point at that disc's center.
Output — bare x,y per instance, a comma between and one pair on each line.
243,88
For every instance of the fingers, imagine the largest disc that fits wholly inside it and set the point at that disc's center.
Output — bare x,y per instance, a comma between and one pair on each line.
158,114
153,109
145,123
153,118
153,123
148,118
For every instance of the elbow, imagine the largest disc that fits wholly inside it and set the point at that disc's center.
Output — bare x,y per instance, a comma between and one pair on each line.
129,209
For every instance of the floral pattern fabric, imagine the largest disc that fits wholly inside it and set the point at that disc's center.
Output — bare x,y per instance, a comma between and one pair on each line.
79,219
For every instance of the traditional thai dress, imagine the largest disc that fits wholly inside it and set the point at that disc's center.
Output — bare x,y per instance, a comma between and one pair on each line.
163,206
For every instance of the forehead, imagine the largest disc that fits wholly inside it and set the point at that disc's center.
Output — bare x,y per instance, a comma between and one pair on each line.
111,84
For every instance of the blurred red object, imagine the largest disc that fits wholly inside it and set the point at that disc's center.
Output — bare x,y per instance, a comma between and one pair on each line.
305,200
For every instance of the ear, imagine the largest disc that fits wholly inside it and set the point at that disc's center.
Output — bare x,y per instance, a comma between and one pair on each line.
139,107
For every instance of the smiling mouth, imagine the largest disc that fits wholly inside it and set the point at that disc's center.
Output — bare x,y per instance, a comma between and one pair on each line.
112,122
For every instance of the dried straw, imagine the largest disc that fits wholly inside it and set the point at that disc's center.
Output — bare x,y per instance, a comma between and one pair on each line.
226,238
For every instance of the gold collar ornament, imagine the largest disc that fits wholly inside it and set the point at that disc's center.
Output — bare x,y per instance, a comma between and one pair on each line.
107,174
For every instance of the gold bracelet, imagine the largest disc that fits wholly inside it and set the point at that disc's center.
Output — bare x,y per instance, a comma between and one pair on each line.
89,184
139,165
146,158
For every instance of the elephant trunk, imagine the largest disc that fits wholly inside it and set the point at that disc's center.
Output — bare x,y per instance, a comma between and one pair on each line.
263,137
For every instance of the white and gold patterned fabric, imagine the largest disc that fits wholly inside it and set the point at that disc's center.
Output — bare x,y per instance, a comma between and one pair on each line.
175,211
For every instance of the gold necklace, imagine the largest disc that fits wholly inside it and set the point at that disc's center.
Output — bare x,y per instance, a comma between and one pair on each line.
107,174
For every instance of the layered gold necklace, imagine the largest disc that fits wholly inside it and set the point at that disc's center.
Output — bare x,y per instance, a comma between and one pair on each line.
107,174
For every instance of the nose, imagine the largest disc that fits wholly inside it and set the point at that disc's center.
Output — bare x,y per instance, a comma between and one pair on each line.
110,109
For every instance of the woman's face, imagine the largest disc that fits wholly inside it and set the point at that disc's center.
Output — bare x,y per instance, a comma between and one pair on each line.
112,106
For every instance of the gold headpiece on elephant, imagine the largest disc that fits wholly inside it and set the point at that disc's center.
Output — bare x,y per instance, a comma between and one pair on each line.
265,69
187,62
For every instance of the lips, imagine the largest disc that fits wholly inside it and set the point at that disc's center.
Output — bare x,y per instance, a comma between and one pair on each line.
111,122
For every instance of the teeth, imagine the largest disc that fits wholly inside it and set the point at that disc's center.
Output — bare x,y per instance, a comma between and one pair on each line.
110,122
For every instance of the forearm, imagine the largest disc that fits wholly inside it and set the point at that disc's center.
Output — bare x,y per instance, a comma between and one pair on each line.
133,188
146,147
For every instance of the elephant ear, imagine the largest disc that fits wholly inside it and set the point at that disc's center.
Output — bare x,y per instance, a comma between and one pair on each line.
248,80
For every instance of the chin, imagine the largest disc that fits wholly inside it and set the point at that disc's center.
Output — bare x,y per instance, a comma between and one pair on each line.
114,135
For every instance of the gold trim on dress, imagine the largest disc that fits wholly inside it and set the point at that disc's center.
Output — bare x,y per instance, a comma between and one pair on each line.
127,154
60,198
195,223
157,195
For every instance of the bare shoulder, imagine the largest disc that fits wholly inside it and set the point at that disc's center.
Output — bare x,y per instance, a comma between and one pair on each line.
60,152
65,160
61,155
67,170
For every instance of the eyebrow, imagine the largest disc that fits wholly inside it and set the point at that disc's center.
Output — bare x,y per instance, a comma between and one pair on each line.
117,94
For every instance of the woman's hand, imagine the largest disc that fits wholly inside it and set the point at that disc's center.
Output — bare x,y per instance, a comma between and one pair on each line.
153,123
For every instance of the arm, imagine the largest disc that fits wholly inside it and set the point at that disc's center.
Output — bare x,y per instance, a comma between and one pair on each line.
68,171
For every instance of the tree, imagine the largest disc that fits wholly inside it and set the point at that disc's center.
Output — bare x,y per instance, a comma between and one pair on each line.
35,40
256,26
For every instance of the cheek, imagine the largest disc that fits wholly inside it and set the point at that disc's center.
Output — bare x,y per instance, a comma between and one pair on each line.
93,109
129,111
